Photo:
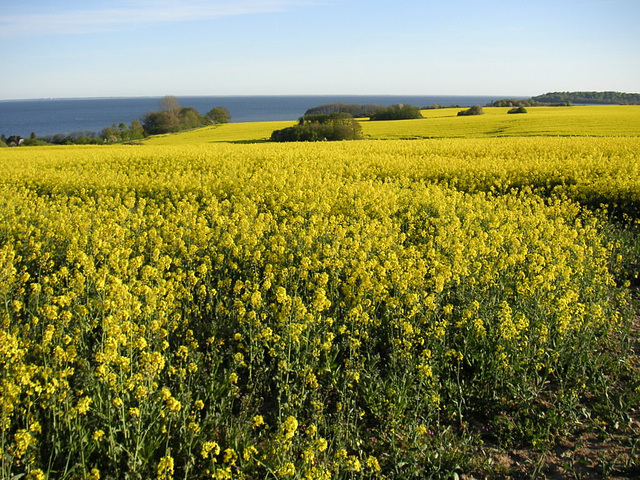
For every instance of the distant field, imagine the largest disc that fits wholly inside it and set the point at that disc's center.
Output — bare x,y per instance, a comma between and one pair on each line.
232,132
598,121
211,305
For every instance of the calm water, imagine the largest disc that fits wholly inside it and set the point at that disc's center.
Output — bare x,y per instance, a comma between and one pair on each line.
48,117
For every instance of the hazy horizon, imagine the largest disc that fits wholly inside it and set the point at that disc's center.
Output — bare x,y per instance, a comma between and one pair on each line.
116,97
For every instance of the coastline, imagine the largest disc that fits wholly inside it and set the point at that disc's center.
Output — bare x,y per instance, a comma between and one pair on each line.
53,116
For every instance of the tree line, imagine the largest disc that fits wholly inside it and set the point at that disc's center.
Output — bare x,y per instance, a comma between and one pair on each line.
607,98
339,124
170,118
397,112
557,99
513,102
174,118
355,110
371,110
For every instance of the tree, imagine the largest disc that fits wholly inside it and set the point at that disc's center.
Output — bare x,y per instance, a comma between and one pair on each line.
218,115
172,121
170,106
475,110
109,135
174,118
155,123
512,102
569,98
34,142
189,117
314,128
353,109
397,112
136,130
169,103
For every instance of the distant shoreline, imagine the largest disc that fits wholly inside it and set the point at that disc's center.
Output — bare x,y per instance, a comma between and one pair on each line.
311,95
53,116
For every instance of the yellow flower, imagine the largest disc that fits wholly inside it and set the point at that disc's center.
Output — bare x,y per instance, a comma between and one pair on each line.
287,470
258,421
173,405
194,427
372,463
36,474
281,294
256,299
83,405
182,352
249,452
321,444
312,430
223,473
289,427
165,468
22,439
48,334
308,455
425,371
353,463
141,392
208,447
165,393
230,456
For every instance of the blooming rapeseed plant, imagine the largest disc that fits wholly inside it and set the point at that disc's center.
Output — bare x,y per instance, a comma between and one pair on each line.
311,311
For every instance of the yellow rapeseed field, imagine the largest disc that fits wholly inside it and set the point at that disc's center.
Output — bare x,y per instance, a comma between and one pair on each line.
598,121
583,121
207,305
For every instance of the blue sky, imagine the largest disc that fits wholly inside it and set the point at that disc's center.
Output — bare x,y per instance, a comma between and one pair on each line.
90,48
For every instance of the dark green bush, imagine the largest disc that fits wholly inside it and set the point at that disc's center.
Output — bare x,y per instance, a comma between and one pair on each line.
218,115
475,110
512,102
171,121
518,110
397,112
315,128
358,111
34,142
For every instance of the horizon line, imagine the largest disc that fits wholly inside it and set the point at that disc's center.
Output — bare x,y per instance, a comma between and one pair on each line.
117,97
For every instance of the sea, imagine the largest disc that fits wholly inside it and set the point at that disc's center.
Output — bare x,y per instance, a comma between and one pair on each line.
65,116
